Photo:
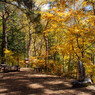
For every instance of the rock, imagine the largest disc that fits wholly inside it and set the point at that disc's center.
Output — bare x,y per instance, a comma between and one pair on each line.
77,83
5,68
87,81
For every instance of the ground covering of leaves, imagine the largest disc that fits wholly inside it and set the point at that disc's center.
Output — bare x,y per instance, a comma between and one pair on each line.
27,82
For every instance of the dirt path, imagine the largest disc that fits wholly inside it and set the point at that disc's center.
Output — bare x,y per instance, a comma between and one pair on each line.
28,82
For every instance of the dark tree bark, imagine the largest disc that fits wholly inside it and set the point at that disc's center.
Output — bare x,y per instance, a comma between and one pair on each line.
69,63
46,47
29,42
46,44
93,8
40,48
4,37
4,40
34,44
92,58
81,71
63,64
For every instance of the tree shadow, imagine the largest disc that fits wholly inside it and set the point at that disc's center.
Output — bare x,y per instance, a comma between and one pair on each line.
28,83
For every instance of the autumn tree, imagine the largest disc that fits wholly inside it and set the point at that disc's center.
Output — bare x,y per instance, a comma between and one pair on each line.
5,13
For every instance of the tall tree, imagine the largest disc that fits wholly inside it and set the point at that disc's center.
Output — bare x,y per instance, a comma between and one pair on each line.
5,16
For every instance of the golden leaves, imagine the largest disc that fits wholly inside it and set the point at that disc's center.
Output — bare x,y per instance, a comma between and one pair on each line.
8,52
47,15
84,3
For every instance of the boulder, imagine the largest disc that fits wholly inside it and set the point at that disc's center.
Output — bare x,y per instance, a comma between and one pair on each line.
86,82
5,68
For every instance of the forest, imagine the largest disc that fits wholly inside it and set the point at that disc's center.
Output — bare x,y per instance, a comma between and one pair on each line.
50,34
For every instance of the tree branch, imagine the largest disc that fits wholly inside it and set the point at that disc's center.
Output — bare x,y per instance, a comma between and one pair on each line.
8,2
89,46
78,43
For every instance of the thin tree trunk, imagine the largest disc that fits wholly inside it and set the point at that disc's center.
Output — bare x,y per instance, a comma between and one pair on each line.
94,24
46,47
69,64
18,61
4,41
92,58
40,50
63,65
5,17
29,43
82,54
35,45
94,8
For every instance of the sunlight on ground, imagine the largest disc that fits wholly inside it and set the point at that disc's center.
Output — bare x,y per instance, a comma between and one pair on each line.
3,90
25,69
24,80
57,82
35,86
91,88
53,82
25,83
40,75
14,93
83,93
12,77
48,91
58,92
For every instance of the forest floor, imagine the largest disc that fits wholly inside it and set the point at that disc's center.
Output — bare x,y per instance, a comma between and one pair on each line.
27,82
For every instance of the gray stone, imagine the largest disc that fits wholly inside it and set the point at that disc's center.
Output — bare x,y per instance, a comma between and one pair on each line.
5,68
86,82
82,80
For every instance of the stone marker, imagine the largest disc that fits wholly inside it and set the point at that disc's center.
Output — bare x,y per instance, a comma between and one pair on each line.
82,80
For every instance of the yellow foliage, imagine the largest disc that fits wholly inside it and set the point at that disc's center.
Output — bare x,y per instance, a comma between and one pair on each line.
84,3
73,32
8,52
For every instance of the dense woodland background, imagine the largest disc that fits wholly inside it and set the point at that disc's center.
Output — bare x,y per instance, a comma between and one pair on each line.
54,39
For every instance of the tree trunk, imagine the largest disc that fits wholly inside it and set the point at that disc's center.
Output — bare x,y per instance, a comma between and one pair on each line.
92,58
29,42
40,48
4,41
35,45
69,63
46,44
46,47
63,65
94,8
82,54
18,61
94,24
81,71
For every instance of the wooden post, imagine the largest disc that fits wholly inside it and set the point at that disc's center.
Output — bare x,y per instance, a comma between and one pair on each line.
27,62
